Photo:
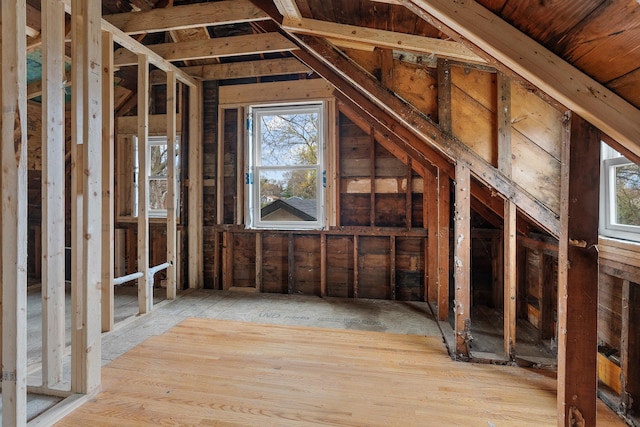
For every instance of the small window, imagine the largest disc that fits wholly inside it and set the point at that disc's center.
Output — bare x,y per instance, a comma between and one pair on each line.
157,176
286,167
620,196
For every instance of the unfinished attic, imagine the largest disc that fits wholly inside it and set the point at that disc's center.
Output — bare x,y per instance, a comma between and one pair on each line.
320,212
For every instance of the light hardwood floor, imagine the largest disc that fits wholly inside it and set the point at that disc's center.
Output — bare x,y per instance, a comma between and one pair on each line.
206,372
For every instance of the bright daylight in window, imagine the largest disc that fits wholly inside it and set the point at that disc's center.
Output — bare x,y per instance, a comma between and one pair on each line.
157,175
620,196
286,167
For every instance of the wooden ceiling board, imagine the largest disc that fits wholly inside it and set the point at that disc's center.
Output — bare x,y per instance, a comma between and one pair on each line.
605,45
323,10
493,5
547,21
628,87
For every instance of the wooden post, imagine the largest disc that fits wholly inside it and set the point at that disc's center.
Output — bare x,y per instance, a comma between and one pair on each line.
14,213
107,181
86,197
444,95
503,115
145,295
372,176
240,162
630,346
259,262
443,244
430,219
291,264
53,209
323,265
392,269
77,243
409,196
462,260
510,278
172,186
356,271
578,285
195,221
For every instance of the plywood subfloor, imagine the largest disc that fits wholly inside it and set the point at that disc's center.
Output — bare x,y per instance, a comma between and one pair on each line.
206,372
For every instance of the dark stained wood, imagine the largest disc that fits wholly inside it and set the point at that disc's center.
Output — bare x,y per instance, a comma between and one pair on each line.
306,254
340,266
372,176
275,270
605,44
444,95
291,264
503,119
374,267
578,285
244,260
632,367
431,223
392,267
558,16
443,213
356,266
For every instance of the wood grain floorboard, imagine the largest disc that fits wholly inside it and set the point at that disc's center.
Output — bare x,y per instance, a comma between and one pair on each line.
206,372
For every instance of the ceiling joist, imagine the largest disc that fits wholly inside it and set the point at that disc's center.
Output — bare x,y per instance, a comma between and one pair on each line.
188,16
214,48
381,38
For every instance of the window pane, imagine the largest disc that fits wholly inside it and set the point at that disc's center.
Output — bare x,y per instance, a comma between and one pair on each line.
288,195
289,139
627,195
158,160
157,193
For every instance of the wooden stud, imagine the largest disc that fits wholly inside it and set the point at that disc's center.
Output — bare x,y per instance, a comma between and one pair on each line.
462,260
14,213
630,346
53,182
504,124
240,162
409,196
372,176
443,213
444,95
172,186
291,264
323,265
392,269
331,193
145,295
430,220
510,278
216,260
195,211
108,164
337,173
356,262
259,262
227,257
578,285
220,168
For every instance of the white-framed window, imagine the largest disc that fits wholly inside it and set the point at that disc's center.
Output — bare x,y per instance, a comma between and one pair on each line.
619,196
157,168
285,174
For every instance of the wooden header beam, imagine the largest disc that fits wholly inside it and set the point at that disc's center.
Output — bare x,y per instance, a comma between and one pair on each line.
187,16
214,48
591,100
381,38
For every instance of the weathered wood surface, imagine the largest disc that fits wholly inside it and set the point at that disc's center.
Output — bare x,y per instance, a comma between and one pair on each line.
312,377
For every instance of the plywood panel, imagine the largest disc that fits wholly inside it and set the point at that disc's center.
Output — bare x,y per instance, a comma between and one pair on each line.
479,85
536,171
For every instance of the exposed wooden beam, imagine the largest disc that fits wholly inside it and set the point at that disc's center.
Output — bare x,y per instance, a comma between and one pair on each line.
381,38
33,27
444,250
288,9
53,183
13,213
187,16
145,294
196,263
172,186
108,167
426,130
510,278
136,47
215,48
462,261
239,70
578,274
582,94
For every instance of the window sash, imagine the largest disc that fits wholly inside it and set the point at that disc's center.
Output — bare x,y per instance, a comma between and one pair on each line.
609,225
